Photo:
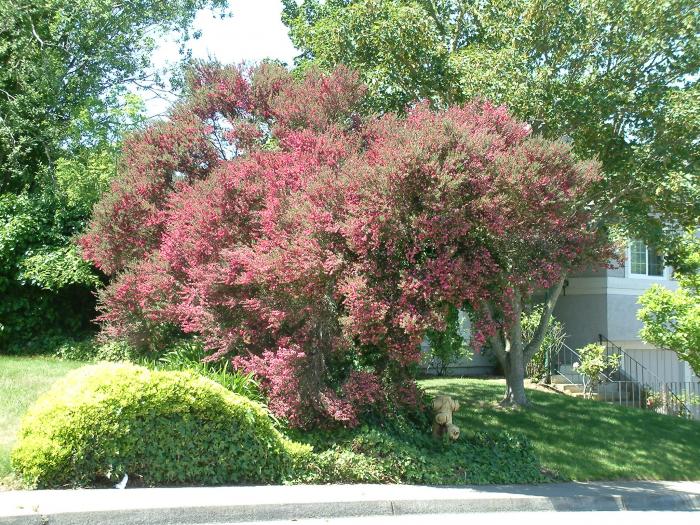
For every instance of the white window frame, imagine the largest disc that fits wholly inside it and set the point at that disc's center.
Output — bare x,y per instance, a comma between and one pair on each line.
628,266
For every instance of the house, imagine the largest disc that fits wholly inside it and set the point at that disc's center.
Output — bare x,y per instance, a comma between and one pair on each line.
601,305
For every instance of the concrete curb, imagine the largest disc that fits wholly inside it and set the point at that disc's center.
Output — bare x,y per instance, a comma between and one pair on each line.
245,504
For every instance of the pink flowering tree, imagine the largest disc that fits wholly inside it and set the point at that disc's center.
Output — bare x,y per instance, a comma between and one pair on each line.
462,207
316,247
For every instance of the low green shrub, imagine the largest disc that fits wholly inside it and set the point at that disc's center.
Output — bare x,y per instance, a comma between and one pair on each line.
448,346
594,364
373,455
161,427
553,342
91,350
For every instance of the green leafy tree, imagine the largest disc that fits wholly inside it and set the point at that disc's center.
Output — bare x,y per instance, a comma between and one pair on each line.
619,79
448,345
594,363
66,68
552,342
672,318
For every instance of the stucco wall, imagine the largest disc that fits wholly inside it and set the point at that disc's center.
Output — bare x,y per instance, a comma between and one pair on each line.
589,272
622,322
616,272
583,317
600,272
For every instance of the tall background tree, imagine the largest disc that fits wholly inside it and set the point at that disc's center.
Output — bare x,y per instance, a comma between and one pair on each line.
619,79
66,68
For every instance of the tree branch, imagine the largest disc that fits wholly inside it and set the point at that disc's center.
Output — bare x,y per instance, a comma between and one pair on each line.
550,303
497,344
516,334
36,35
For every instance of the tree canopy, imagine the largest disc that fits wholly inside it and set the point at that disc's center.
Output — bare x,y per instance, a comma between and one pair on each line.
618,79
66,68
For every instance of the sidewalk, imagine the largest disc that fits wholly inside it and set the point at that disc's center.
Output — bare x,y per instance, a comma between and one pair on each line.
240,504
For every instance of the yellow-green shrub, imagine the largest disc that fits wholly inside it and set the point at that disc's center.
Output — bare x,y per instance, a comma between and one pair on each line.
160,427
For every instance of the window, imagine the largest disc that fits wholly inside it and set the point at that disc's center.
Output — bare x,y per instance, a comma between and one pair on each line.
644,260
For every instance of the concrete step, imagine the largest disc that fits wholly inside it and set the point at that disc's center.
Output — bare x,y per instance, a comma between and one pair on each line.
559,380
572,389
568,370
571,375
579,395
607,392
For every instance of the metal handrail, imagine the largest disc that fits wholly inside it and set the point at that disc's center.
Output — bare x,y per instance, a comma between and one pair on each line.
578,356
604,341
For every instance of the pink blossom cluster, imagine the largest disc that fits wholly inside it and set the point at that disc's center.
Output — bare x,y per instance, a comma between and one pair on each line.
316,246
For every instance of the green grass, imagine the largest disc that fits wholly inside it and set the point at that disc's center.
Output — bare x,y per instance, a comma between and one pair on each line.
578,439
22,379
581,439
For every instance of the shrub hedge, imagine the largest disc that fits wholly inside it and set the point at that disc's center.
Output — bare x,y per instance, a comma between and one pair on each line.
160,427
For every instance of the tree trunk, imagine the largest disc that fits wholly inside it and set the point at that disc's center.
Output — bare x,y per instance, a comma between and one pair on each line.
511,350
514,372
515,381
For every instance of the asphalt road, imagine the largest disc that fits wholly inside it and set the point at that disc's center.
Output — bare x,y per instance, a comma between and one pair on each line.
506,518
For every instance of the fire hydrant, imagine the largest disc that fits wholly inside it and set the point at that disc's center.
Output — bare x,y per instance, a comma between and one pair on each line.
444,406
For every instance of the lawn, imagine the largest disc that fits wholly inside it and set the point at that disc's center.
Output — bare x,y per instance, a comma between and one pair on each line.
22,379
581,439
578,439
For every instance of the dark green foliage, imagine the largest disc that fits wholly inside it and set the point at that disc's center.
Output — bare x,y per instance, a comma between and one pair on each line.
31,319
407,454
65,72
45,285
447,346
105,420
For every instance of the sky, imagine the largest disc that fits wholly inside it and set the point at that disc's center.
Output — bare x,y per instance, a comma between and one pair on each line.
255,31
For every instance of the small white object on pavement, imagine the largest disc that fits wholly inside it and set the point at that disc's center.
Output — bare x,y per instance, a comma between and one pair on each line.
123,482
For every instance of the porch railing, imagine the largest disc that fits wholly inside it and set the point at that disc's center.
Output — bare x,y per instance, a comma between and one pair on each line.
632,384
651,386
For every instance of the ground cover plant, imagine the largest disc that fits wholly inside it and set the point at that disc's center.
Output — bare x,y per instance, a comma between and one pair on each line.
403,452
581,439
